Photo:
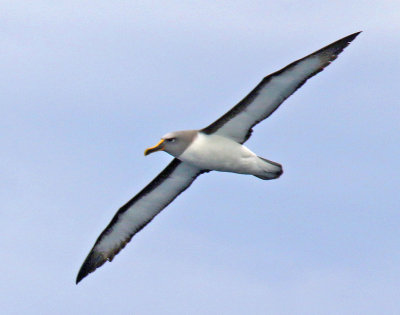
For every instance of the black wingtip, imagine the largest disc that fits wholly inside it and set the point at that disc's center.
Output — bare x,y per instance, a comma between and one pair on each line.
80,276
83,272
331,51
352,36
93,261
343,42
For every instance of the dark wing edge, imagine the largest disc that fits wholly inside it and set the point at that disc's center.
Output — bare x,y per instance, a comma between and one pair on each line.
97,258
330,52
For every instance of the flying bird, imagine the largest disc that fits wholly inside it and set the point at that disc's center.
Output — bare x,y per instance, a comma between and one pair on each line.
217,147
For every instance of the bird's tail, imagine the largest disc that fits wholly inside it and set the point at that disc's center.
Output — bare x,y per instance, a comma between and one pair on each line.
268,169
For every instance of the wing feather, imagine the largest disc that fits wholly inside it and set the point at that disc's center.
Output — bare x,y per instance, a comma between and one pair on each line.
138,212
266,97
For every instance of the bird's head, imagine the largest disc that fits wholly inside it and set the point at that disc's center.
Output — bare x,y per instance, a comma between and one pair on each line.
174,143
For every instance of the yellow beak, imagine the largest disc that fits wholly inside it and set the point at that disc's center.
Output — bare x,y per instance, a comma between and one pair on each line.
158,147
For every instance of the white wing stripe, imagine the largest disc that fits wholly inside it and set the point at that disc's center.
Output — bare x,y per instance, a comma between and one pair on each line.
139,211
237,123
147,207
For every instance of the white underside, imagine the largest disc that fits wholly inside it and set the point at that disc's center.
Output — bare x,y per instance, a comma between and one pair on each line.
213,152
147,207
269,98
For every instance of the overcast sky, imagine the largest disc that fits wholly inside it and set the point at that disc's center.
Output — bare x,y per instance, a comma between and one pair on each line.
86,86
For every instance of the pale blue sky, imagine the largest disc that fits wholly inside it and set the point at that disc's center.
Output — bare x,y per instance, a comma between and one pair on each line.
87,86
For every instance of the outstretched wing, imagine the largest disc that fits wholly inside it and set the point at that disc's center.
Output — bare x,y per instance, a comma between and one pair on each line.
137,212
266,97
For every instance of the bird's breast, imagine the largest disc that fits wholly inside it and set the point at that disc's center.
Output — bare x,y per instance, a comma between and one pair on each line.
218,153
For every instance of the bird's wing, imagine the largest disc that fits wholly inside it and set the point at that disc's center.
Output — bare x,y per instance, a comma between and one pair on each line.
266,97
137,212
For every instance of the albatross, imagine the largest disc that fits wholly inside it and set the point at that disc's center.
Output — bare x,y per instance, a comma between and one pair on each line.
217,147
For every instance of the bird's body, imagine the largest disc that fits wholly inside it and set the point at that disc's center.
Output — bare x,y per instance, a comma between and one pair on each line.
218,147
218,153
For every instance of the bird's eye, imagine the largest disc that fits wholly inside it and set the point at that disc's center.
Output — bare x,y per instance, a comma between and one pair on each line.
171,140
